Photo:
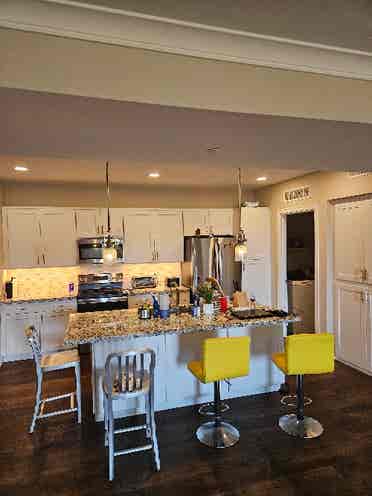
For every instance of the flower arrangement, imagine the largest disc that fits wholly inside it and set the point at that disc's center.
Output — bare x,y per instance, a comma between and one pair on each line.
206,291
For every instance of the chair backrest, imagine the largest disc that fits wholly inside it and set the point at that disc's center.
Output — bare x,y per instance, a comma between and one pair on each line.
225,358
126,370
33,339
310,353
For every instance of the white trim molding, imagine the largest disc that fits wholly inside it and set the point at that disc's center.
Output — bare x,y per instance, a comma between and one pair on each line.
72,19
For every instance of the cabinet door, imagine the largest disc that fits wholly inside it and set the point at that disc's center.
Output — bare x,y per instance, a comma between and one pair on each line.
368,327
116,220
366,212
167,232
194,219
139,245
350,325
23,238
221,221
59,245
14,325
348,242
88,222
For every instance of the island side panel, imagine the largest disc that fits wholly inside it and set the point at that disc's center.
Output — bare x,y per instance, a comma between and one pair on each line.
175,386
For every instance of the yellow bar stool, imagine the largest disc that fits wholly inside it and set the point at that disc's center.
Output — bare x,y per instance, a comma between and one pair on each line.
223,358
304,354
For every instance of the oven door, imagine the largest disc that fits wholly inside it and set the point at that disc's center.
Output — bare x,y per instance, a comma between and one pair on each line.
101,305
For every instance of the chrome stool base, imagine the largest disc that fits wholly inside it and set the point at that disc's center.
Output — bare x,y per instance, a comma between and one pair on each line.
307,428
220,435
290,400
208,409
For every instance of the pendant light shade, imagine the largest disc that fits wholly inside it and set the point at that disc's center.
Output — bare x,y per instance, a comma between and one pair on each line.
110,253
240,247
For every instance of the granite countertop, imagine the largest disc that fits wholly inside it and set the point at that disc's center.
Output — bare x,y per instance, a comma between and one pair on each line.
118,324
37,300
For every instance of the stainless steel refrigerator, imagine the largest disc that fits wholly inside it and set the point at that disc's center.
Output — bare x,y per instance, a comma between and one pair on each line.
210,256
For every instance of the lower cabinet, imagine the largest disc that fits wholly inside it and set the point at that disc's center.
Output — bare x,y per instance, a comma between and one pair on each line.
353,304
49,318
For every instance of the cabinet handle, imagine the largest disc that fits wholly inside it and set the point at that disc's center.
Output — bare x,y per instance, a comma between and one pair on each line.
40,228
364,274
38,259
75,218
44,258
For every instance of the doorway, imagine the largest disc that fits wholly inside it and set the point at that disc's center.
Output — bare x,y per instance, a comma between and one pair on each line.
299,269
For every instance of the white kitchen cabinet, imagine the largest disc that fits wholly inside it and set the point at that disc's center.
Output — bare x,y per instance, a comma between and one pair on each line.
39,237
352,307
194,219
256,269
14,320
22,237
217,221
116,220
59,247
153,236
139,244
367,241
167,234
88,222
49,318
348,242
220,221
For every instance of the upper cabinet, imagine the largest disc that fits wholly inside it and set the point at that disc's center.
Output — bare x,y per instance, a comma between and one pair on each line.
353,242
153,236
39,237
88,222
209,221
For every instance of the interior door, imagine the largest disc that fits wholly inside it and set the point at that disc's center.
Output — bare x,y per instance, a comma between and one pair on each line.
348,244
139,245
88,222
59,244
194,219
221,221
167,232
23,238
350,325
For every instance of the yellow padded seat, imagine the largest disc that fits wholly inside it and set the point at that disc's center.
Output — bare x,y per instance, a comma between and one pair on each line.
306,354
223,358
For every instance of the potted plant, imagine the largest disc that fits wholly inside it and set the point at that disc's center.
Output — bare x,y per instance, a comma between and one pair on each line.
206,291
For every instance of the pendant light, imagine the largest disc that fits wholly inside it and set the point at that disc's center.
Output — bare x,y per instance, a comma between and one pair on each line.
240,248
110,253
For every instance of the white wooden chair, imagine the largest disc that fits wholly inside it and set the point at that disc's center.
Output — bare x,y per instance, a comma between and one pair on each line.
49,363
130,374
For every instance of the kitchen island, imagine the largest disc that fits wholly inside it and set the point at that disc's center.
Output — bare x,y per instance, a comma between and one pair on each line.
176,341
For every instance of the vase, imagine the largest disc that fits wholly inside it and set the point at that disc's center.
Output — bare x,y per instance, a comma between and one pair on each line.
208,309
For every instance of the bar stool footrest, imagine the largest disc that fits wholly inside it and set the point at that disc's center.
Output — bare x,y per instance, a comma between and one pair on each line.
146,447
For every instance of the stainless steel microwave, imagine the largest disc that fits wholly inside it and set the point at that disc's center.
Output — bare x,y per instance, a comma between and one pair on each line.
91,249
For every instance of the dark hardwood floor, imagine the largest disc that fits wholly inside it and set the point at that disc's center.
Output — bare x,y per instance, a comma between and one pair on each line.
64,458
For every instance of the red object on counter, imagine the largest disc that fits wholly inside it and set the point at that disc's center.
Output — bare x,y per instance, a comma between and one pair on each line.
223,304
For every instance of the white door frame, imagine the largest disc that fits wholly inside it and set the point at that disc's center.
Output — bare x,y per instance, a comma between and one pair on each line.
282,259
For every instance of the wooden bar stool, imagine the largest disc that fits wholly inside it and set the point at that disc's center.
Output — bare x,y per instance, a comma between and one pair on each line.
130,374
304,354
223,358
50,363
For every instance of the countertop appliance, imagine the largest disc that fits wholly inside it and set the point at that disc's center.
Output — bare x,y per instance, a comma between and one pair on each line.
91,249
173,282
210,256
143,282
97,292
301,301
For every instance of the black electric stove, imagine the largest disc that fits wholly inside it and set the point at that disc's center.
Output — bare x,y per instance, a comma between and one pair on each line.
99,292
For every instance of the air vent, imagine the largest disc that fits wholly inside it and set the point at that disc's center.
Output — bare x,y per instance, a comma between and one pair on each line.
361,173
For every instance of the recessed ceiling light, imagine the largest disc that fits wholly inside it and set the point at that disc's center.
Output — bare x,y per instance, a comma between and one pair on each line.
261,179
21,168
153,174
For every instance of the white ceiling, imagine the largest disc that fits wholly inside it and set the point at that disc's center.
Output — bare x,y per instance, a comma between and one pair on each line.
343,23
66,138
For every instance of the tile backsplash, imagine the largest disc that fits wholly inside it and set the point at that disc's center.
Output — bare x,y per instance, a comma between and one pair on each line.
54,282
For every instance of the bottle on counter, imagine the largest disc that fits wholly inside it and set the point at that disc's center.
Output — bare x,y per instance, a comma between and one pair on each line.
9,289
195,309
155,307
